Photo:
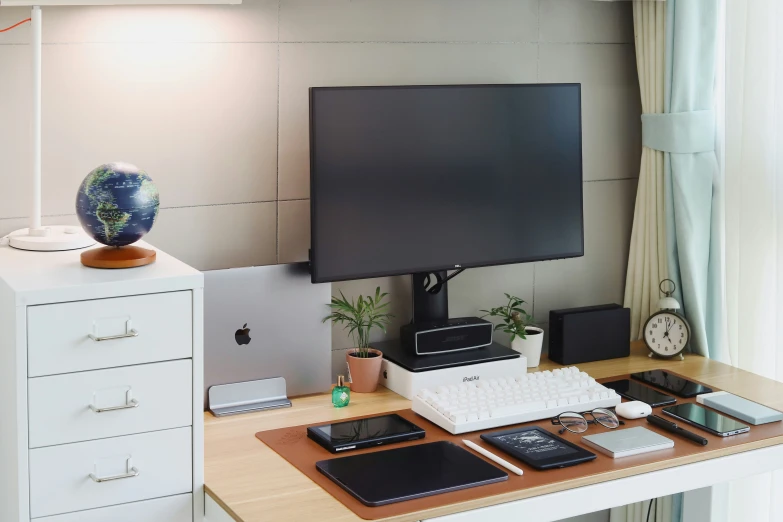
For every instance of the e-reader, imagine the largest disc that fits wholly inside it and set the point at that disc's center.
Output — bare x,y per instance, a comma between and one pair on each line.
538,448
398,474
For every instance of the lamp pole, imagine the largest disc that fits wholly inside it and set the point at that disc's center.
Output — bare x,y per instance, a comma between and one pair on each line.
38,237
36,45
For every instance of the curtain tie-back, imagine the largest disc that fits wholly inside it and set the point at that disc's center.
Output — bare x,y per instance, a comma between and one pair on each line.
679,132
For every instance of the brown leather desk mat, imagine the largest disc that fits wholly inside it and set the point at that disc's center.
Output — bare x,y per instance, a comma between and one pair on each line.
294,446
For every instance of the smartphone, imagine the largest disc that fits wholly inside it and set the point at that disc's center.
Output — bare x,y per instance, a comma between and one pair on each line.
364,433
636,391
705,419
679,386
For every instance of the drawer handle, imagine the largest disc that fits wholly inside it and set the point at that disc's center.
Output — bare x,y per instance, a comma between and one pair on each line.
132,472
130,333
133,403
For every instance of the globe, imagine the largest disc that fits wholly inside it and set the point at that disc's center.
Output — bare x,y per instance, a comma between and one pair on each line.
117,204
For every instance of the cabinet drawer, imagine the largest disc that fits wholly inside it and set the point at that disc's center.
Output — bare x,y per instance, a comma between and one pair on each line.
108,403
169,509
72,477
125,331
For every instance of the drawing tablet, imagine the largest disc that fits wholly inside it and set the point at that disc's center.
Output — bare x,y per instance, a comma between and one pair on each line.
399,474
538,448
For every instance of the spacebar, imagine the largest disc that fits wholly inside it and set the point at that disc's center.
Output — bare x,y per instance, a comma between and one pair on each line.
515,409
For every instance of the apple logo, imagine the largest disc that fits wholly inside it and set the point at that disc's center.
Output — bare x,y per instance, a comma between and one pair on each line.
242,335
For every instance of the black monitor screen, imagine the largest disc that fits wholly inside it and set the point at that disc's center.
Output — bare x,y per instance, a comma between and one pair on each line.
416,179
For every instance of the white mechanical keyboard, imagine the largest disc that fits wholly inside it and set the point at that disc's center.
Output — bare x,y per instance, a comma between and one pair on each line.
472,406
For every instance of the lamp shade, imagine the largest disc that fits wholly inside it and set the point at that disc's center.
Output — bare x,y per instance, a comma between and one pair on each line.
42,3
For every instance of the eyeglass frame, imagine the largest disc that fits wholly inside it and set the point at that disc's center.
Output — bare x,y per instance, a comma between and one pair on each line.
556,420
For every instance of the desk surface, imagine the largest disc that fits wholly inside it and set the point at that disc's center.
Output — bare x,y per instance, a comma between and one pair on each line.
253,483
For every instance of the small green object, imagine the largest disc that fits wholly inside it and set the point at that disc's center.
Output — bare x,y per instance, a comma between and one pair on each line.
341,394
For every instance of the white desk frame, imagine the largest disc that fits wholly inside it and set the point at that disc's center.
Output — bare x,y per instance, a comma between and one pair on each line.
702,483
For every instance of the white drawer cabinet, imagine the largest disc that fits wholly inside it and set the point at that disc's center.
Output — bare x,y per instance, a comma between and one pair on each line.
107,403
101,373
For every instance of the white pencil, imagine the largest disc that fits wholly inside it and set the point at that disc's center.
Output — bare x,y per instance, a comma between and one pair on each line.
494,458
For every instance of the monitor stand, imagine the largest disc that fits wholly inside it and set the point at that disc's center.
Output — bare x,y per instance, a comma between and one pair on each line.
431,313
431,296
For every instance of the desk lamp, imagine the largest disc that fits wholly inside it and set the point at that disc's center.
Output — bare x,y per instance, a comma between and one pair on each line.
53,238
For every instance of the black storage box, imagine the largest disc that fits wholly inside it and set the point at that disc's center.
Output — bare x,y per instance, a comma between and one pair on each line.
590,333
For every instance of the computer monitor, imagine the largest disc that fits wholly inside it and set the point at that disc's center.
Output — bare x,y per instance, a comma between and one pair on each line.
425,179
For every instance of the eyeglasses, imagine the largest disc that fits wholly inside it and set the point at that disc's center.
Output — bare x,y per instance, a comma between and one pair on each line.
577,423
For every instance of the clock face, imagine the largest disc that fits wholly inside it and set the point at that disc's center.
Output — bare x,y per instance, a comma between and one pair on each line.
666,334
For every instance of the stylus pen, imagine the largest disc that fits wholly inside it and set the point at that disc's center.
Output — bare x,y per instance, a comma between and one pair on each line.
494,458
673,428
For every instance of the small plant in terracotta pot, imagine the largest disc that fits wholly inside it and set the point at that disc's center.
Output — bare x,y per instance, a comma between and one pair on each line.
359,317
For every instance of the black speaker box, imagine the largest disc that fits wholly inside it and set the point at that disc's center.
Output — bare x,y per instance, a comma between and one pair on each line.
451,335
591,333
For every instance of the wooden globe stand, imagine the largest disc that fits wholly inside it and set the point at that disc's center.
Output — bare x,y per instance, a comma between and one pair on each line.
118,257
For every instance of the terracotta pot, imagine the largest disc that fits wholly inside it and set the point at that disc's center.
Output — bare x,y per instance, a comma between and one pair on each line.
365,371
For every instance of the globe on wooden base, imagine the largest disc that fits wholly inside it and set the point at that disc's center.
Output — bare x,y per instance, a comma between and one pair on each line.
118,257
117,204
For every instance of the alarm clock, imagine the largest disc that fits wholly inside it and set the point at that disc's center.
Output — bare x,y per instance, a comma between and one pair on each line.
666,332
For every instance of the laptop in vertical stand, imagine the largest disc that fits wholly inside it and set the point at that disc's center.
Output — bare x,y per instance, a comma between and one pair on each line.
266,321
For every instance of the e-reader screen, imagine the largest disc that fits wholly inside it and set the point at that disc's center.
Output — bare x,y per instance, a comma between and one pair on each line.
538,448
536,445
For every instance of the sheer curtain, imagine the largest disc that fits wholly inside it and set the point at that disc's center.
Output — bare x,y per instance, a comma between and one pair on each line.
647,256
754,216
647,260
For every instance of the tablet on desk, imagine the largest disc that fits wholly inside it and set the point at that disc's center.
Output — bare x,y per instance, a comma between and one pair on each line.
364,433
399,474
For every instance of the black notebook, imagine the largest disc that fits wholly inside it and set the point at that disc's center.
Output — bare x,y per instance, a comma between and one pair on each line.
399,474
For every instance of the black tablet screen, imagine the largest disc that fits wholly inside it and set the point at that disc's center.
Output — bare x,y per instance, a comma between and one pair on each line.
398,474
364,429
535,445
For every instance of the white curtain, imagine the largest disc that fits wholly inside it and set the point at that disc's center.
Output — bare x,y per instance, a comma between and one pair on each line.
647,257
753,170
647,265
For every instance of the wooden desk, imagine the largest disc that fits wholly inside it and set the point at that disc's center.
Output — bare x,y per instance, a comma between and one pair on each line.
251,483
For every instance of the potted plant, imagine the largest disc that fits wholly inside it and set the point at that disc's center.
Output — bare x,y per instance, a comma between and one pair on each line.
359,317
526,338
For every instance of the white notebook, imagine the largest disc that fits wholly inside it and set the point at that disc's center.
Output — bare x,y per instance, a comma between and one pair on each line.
627,442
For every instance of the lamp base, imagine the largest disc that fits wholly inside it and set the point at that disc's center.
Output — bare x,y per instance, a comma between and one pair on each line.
50,239
118,257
